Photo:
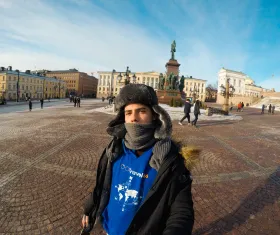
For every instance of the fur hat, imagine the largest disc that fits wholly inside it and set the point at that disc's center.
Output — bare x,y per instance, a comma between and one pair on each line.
142,94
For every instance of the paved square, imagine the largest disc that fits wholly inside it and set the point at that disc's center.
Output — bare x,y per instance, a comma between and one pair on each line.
48,161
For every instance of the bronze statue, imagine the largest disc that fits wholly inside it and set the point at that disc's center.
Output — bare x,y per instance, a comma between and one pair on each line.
173,50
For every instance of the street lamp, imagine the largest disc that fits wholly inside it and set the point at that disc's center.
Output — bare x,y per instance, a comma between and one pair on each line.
111,85
134,78
17,84
119,77
227,91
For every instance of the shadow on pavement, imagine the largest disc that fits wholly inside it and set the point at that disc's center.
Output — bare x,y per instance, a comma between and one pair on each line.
263,195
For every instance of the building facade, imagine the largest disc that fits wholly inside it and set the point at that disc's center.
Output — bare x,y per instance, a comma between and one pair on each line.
78,83
195,87
106,78
29,85
245,88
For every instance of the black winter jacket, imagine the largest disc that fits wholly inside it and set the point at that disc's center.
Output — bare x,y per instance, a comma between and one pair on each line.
196,110
187,108
168,207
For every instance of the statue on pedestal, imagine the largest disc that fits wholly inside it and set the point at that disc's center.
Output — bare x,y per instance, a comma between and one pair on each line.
173,50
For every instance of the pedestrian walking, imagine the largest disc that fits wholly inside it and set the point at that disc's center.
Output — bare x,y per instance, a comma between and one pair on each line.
142,185
187,110
196,112
272,109
242,107
75,101
263,107
42,102
269,109
239,106
78,102
30,104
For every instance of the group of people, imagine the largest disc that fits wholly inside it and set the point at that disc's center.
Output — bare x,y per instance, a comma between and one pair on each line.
271,109
187,111
240,107
30,103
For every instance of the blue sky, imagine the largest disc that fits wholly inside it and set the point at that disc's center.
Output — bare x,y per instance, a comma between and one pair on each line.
94,35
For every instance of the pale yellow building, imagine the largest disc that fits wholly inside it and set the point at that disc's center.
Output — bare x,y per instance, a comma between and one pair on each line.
195,86
28,85
106,78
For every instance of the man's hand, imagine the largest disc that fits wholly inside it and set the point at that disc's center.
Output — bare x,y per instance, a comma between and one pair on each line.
85,220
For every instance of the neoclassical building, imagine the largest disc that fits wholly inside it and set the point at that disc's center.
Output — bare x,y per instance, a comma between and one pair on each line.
195,86
149,78
245,88
106,78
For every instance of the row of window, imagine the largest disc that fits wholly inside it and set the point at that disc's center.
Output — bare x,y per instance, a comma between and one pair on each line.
106,80
198,84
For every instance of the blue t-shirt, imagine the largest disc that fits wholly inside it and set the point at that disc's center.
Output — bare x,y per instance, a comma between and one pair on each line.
132,178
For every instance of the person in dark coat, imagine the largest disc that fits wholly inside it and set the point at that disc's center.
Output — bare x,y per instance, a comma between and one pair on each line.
78,102
42,102
187,110
272,109
242,106
263,107
196,112
142,183
75,101
269,109
30,104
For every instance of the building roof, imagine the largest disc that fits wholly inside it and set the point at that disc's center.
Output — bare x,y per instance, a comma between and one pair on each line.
195,79
12,72
64,71
233,71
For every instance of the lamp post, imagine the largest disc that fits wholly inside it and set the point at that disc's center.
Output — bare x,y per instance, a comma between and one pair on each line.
17,85
134,78
112,81
226,92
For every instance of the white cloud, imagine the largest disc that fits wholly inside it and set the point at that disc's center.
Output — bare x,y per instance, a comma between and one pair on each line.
38,33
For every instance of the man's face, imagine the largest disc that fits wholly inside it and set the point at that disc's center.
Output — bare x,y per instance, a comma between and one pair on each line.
138,113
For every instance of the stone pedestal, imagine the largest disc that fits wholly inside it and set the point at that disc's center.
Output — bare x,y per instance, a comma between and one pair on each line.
164,96
172,66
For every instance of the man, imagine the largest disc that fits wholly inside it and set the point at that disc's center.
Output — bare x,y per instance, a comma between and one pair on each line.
263,107
42,102
272,109
187,111
78,102
142,184
75,101
196,112
30,104
269,109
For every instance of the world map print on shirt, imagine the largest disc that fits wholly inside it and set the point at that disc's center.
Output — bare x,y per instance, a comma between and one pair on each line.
126,195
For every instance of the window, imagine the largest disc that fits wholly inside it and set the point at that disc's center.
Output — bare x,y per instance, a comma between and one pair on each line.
99,88
187,83
9,87
9,78
3,78
239,83
14,87
26,87
100,77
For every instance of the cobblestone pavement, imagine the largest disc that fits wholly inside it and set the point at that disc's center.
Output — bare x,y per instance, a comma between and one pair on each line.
48,161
